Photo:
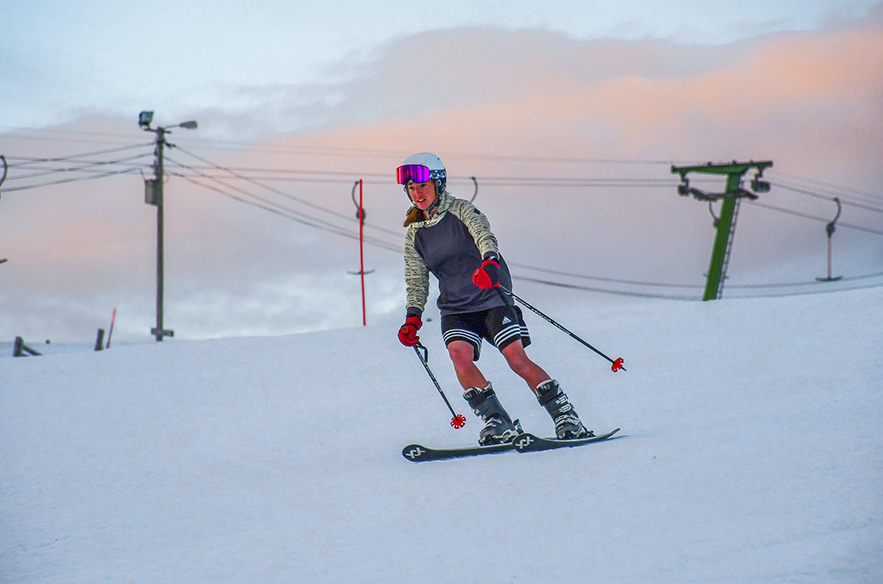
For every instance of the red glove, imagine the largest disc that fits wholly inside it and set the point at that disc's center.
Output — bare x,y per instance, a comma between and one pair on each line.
488,275
408,332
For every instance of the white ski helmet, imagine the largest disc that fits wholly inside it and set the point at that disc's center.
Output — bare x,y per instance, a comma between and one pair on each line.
415,167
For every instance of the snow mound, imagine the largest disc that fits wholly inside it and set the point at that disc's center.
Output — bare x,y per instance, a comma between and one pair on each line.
751,452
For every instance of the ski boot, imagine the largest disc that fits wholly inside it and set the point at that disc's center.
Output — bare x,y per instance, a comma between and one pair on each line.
498,426
567,423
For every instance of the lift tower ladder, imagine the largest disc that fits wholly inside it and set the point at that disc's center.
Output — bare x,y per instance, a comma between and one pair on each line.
732,236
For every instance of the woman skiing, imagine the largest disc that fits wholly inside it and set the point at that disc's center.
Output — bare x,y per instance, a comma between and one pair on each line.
451,239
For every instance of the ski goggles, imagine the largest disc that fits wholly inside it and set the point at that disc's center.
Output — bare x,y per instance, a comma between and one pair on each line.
412,172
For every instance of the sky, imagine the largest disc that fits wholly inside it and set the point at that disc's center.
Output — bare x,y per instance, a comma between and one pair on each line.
64,59
568,117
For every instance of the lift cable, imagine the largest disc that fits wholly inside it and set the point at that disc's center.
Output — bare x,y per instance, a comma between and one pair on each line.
828,198
808,216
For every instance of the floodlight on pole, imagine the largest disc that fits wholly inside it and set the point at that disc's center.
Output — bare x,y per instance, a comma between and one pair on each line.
144,119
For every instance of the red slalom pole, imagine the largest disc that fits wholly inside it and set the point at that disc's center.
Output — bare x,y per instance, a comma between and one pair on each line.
110,332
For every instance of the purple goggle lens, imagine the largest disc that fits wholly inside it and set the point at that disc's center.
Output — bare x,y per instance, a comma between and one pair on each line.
412,172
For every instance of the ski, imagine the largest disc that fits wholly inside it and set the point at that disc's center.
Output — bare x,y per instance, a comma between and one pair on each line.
523,443
531,443
419,453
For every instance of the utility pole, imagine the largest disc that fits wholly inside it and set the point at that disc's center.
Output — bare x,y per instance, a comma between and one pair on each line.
153,195
726,224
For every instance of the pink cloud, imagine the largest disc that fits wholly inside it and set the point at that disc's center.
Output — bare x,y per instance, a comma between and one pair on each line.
492,104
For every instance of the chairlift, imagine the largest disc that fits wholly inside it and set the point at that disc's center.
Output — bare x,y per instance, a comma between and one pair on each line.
829,229
5,170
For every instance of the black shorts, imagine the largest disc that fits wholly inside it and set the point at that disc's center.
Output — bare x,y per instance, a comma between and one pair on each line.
500,326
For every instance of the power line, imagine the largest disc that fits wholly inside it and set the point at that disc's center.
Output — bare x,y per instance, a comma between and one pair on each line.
344,177
336,151
39,168
255,182
274,190
85,167
283,174
283,211
252,199
49,136
295,216
68,180
30,160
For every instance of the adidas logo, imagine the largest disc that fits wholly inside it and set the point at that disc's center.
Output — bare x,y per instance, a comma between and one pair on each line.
507,320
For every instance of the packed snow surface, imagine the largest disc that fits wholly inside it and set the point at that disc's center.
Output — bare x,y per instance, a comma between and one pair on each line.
751,451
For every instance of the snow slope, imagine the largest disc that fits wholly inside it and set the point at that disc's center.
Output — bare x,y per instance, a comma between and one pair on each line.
751,452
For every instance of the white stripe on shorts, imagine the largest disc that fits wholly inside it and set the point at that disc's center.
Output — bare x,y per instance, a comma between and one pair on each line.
464,335
507,333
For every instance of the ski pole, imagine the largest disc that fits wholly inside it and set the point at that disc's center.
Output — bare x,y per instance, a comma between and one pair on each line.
458,421
617,363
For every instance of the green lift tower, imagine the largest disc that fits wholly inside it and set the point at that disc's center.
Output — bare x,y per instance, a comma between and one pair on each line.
726,223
